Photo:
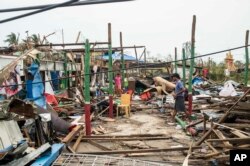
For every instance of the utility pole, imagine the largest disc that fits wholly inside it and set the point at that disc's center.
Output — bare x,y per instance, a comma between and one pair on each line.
110,75
247,58
190,96
87,106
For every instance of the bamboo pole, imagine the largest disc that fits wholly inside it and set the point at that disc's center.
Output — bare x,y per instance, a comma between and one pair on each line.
247,58
190,97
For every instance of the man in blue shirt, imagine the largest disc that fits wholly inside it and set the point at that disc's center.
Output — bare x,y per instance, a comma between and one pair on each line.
178,95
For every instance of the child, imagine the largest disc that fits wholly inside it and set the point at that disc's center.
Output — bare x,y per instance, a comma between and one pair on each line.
118,84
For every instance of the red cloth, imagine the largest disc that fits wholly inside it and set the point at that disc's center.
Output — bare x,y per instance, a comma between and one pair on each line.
51,99
145,96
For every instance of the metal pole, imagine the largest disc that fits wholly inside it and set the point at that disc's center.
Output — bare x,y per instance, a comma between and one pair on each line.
87,106
175,58
190,97
184,67
110,72
122,59
247,58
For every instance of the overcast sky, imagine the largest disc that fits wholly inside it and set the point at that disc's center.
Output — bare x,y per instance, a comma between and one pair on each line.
160,25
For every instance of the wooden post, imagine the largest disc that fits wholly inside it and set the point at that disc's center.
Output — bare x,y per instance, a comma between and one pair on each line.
65,66
87,106
175,59
190,96
110,75
122,59
247,58
137,61
184,67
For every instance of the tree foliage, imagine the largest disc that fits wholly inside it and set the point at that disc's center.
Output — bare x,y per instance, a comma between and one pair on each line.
12,39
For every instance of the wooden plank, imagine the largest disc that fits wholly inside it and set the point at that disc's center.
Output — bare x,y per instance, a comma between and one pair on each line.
70,149
141,150
98,145
195,123
76,144
227,140
239,134
221,137
236,125
124,136
211,147
126,139
72,134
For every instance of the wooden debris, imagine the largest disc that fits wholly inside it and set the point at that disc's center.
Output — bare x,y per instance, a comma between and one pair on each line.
72,134
96,144
29,157
78,141
106,119
141,150
126,139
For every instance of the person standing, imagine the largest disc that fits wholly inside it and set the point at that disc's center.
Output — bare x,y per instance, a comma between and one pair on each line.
118,84
178,95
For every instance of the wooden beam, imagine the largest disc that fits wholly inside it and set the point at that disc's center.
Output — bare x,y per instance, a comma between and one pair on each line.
239,134
72,134
78,141
126,139
124,136
234,140
141,150
99,145
195,123
236,125
221,137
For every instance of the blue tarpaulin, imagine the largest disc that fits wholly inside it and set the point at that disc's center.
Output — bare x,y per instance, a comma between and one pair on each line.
35,88
116,56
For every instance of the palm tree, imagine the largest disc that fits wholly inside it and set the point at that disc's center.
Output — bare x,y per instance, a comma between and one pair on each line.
35,39
12,39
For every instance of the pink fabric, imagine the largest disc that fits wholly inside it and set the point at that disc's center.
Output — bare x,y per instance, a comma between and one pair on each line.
118,81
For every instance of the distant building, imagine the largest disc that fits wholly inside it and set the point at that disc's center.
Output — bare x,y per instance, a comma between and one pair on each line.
229,61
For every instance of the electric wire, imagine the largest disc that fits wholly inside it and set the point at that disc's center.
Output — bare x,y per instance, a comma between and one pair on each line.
86,2
37,11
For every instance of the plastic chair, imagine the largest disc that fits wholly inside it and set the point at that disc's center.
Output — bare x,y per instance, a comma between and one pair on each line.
125,105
